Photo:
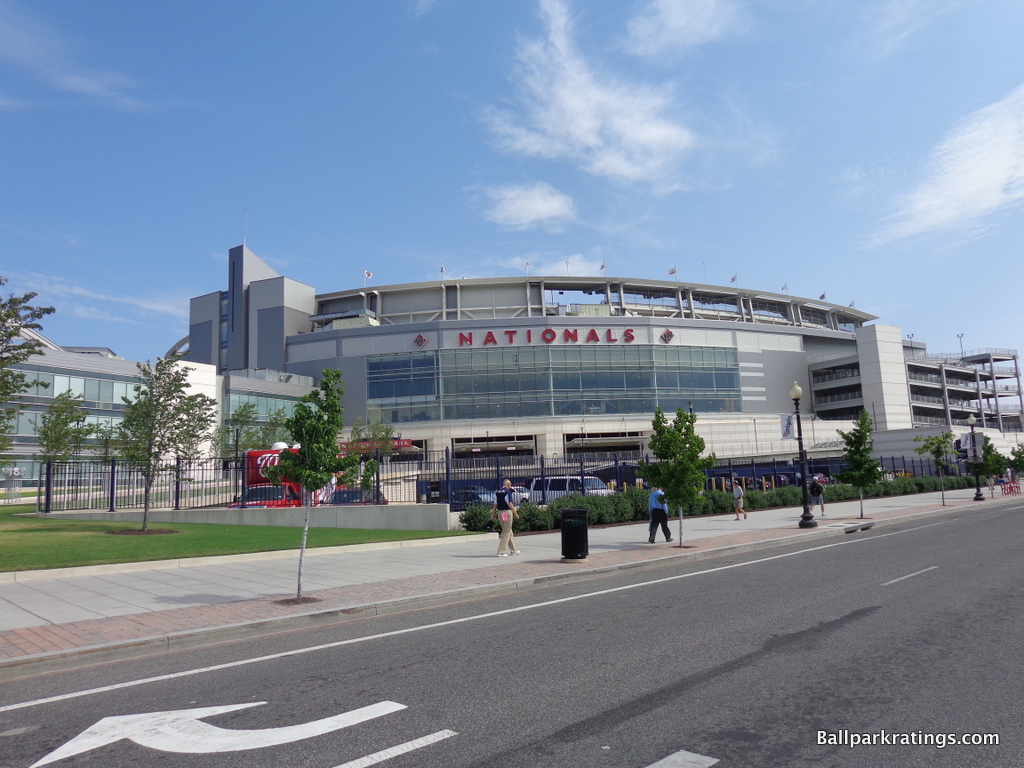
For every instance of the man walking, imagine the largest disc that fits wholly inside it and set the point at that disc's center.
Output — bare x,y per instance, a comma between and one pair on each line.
817,493
737,498
659,515
506,509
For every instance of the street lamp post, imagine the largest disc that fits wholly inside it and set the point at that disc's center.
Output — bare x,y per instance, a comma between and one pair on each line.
978,495
806,519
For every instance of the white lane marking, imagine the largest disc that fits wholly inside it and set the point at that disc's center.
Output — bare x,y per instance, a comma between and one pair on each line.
684,759
437,625
916,573
182,731
401,749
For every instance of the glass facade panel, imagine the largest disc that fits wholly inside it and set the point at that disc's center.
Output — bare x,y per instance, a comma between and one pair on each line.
522,382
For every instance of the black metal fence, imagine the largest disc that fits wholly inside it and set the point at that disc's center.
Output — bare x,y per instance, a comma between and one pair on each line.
434,477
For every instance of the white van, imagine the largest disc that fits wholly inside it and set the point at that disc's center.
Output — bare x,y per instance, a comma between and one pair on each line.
544,490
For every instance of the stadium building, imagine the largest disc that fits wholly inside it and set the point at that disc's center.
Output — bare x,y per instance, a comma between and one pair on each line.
560,365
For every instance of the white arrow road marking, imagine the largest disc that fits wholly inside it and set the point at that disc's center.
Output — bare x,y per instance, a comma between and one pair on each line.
684,759
401,749
181,731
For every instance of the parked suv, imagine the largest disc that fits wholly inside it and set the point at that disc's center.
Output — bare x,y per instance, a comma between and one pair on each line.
544,490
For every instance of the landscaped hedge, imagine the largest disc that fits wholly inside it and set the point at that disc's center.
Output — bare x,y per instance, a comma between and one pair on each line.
631,505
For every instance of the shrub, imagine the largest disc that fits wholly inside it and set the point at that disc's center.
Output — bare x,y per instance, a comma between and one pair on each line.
533,518
475,517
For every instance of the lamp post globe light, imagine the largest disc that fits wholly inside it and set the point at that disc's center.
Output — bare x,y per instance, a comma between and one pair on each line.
806,519
978,495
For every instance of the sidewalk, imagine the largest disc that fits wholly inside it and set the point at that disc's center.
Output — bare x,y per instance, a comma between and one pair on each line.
76,616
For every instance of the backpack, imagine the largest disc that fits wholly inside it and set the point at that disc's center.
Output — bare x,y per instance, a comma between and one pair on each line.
816,489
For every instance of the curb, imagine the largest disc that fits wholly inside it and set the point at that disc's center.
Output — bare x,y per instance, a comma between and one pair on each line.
52,661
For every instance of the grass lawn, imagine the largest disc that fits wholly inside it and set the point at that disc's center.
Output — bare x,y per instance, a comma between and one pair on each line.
37,543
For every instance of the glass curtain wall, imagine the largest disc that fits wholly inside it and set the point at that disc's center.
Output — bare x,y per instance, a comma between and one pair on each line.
520,382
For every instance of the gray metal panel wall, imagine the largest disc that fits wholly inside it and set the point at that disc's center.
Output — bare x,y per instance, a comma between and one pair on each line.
270,335
201,347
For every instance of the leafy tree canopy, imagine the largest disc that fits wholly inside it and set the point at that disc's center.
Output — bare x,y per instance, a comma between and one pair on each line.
316,425
16,316
936,446
62,429
163,421
680,469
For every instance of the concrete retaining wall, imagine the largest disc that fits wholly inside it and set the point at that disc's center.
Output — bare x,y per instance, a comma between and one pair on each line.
390,517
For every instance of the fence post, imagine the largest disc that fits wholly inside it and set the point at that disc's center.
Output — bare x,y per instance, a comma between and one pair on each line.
447,474
543,483
48,498
377,495
618,475
497,472
583,474
177,482
113,484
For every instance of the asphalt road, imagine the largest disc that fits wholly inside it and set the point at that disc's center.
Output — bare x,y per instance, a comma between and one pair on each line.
913,630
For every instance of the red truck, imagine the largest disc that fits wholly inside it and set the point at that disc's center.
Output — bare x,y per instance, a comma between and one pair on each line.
259,491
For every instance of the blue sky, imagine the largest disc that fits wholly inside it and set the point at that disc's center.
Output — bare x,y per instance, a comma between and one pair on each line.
872,151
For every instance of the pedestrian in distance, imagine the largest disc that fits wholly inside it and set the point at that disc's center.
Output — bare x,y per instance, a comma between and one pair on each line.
658,514
737,499
504,506
817,491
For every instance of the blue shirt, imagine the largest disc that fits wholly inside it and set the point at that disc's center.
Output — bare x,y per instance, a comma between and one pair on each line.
656,501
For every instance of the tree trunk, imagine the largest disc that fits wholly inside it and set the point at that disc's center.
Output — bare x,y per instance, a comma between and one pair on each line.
302,553
145,504
861,503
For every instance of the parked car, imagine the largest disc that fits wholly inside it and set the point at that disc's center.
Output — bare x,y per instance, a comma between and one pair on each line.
520,494
344,496
258,496
464,497
544,490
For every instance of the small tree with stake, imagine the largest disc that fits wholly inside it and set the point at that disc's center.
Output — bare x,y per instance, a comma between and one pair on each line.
937,446
680,471
315,424
162,421
862,469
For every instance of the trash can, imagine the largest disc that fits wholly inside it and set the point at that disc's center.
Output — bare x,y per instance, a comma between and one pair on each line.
575,546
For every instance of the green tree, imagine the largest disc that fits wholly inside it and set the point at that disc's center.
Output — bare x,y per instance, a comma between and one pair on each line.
373,437
275,429
1016,460
240,433
106,446
62,429
938,447
862,469
993,463
17,316
367,438
162,422
316,425
680,469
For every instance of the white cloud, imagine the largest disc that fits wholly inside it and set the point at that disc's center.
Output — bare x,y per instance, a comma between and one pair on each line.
423,6
549,264
669,26
975,171
527,206
50,287
896,21
26,43
91,313
609,128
